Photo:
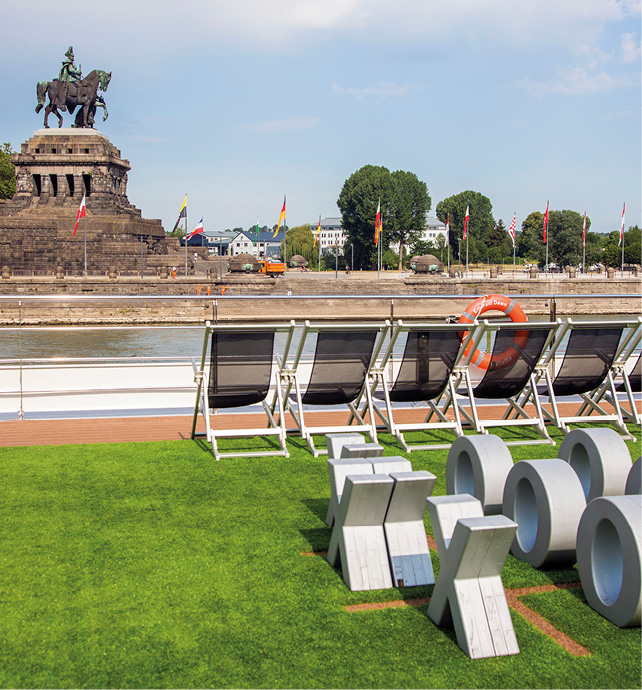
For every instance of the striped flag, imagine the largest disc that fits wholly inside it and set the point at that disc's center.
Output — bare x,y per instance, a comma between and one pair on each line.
197,230
584,232
448,229
377,224
511,230
80,214
466,219
545,222
281,219
316,234
621,225
181,214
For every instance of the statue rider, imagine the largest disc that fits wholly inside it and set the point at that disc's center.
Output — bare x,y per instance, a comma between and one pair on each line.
68,73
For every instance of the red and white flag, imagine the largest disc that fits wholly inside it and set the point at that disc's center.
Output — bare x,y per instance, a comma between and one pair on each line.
622,227
448,229
79,215
466,219
584,231
197,230
377,224
511,230
545,222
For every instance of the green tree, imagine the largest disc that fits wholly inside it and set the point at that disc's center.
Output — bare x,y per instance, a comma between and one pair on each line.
612,254
300,240
407,210
404,204
529,242
7,173
480,224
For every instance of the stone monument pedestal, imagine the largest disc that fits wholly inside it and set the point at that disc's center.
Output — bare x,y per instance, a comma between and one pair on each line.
54,169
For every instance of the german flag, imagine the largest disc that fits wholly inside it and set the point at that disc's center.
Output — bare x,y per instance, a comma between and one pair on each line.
281,219
182,213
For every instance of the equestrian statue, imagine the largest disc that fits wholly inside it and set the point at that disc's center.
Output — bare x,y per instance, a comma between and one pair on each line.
71,90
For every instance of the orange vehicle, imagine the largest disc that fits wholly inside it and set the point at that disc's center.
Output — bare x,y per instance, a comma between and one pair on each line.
271,268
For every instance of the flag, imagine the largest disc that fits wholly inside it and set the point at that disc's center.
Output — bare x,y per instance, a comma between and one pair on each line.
511,231
196,231
621,226
448,229
316,234
80,214
377,224
545,222
281,219
182,213
584,231
256,237
466,219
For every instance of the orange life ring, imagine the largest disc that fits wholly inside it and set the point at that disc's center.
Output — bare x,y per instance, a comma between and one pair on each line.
510,307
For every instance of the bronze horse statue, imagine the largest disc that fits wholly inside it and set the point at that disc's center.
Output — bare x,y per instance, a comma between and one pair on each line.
69,95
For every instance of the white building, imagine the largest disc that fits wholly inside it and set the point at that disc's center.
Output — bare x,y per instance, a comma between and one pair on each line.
331,234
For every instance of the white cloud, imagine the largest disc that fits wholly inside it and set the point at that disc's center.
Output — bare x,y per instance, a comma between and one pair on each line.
282,24
629,48
289,125
381,89
579,81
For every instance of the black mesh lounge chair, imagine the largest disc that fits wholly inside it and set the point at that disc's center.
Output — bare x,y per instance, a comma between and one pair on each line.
236,371
517,350
590,352
626,382
342,358
423,375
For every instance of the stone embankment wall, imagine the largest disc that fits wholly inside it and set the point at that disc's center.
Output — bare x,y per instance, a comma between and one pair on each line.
300,296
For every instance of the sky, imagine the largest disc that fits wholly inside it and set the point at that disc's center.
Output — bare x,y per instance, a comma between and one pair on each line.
240,103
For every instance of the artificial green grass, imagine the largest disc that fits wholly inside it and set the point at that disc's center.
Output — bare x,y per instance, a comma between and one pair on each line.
152,565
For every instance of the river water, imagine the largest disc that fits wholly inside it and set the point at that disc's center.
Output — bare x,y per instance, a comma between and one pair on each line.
129,342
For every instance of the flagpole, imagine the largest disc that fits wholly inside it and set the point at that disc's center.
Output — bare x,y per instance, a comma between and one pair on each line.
584,245
547,234
186,236
622,255
285,237
85,227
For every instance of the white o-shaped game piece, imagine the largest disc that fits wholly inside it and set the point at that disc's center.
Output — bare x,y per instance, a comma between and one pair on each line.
479,465
634,480
601,459
609,542
546,500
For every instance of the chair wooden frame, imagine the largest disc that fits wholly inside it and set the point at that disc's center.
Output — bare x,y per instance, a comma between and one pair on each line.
590,402
274,427
289,375
515,413
381,375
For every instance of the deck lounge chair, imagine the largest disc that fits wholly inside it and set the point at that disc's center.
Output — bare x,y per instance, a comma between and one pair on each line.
591,350
236,371
626,382
516,352
632,383
342,358
424,374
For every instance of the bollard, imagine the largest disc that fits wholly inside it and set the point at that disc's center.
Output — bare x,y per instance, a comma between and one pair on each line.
6,272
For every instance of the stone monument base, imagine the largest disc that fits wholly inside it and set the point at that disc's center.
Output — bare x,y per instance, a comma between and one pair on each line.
54,170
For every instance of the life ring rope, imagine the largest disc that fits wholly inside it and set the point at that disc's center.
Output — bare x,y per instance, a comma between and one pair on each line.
484,360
